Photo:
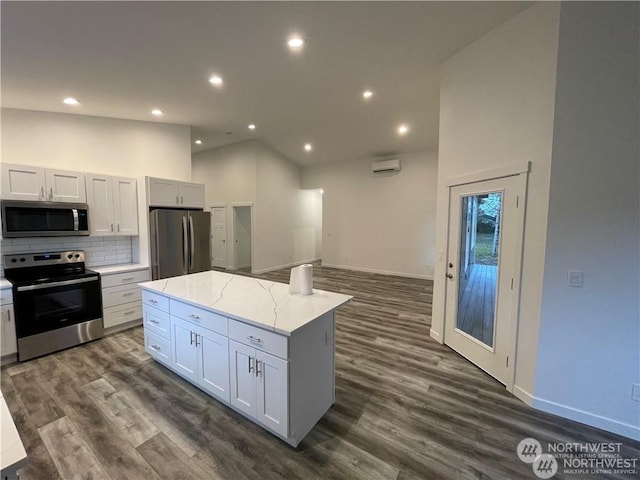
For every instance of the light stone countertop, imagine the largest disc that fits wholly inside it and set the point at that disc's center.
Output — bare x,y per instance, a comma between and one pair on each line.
122,268
12,453
262,303
4,283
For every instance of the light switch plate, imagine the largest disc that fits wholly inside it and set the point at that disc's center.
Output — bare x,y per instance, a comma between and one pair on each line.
575,278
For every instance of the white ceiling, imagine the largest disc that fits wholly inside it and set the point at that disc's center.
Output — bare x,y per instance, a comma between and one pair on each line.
121,59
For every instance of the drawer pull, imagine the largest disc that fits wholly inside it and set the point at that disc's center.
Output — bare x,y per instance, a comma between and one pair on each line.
128,294
155,322
151,300
251,338
155,347
128,279
129,312
194,316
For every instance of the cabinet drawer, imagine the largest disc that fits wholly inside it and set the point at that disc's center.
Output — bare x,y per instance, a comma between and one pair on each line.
204,318
6,296
124,278
118,295
120,314
155,300
156,346
157,322
260,339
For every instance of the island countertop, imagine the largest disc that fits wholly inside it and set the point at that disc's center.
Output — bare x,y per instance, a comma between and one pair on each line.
263,303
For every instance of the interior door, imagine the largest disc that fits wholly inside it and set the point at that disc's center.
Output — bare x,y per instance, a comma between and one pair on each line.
199,237
483,271
219,237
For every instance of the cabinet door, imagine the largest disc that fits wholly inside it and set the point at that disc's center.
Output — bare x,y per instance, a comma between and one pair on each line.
163,193
125,206
272,402
8,344
100,201
20,182
191,195
65,186
213,369
183,348
242,388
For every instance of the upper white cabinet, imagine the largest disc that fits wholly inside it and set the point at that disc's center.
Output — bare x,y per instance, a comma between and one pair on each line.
22,182
113,205
172,193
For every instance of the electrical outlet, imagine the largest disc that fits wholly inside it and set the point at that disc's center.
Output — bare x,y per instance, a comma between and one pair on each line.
635,392
575,278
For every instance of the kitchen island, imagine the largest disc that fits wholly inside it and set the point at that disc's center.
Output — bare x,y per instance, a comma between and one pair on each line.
249,343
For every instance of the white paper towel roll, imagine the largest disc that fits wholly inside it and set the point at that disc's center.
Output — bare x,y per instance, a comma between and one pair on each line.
306,279
301,280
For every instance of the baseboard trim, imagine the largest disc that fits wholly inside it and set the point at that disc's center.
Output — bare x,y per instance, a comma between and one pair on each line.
436,336
582,416
293,264
382,272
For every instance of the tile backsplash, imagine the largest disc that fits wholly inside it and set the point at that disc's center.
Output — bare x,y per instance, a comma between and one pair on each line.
99,251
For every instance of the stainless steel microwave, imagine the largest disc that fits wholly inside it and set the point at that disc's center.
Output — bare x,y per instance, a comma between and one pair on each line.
43,219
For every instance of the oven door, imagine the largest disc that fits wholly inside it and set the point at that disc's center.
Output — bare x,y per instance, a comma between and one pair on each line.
45,307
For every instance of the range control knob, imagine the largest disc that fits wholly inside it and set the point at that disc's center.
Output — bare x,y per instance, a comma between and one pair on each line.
70,256
77,255
14,260
23,259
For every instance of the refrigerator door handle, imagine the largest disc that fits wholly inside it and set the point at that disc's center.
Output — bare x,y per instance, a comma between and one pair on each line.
185,246
192,250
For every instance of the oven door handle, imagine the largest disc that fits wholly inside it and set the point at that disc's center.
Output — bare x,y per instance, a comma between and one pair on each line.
63,283
76,221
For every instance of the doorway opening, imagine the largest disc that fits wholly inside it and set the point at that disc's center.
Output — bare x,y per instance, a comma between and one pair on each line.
242,232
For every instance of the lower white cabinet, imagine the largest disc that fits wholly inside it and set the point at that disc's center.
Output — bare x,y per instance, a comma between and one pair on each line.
202,356
121,297
9,343
259,386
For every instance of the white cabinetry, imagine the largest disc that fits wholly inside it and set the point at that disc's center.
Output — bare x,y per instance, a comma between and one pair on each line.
121,297
23,182
172,193
8,341
113,205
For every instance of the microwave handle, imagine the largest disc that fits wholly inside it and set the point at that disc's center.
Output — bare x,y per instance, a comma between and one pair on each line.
76,221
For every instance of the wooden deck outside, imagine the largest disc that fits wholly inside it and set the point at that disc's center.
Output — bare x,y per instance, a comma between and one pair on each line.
476,304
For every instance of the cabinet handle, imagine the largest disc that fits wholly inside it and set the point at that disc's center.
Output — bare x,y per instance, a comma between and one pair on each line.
177,200
8,315
128,280
42,192
258,371
127,294
112,227
198,343
191,337
155,322
129,312
151,300
181,199
155,347
251,338
51,193
194,316
250,366
118,228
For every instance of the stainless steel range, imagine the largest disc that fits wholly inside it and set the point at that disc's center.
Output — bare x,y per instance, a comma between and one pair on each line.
57,301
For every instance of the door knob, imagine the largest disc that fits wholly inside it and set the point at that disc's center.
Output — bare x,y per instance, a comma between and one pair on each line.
449,275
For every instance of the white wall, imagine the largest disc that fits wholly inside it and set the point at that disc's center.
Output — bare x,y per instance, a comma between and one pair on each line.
378,222
588,352
94,144
496,109
284,219
97,145
285,230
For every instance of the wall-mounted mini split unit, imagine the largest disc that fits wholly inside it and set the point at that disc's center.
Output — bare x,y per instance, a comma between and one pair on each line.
386,166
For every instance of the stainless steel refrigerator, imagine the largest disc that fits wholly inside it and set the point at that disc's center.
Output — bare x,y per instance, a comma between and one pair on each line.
179,242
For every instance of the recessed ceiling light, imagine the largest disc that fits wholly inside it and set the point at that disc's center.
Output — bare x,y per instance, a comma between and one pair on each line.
367,94
198,142
70,101
295,42
308,147
251,127
403,129
156,111
215,80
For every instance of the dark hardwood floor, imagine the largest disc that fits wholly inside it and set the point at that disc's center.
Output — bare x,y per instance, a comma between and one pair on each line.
406,408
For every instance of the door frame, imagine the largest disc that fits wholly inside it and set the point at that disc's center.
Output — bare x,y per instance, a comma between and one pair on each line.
233,232
521,170
226,209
